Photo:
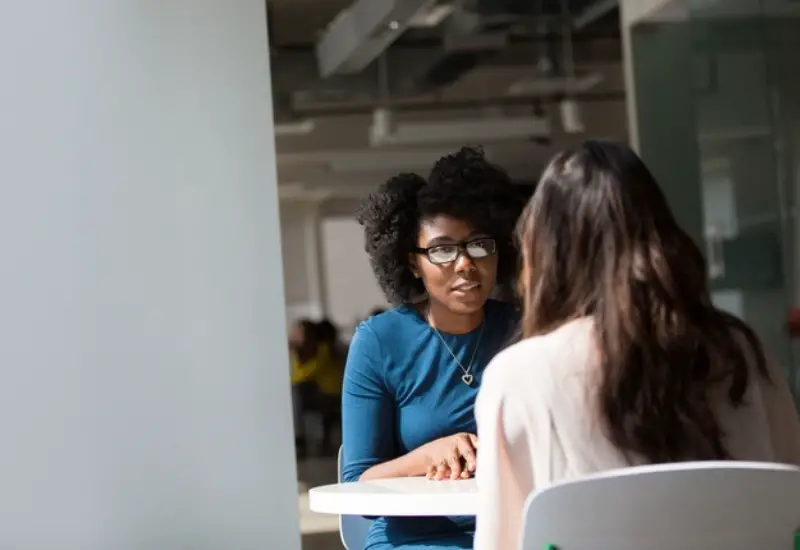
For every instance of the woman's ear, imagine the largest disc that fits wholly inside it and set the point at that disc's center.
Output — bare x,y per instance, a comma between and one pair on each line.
413,266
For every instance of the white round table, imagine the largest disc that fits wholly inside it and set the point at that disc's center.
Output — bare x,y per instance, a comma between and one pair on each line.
408,496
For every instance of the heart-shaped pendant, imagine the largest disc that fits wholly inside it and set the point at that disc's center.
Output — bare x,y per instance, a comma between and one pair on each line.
467,378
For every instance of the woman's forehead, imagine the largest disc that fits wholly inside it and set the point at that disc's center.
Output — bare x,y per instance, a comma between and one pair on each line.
443,226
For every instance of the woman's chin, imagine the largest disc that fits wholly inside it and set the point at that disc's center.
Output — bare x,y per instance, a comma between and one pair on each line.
466,302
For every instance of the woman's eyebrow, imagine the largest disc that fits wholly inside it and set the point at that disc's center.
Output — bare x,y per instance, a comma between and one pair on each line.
442,239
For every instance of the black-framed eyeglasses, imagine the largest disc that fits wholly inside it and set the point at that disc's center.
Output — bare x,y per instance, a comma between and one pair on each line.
476,249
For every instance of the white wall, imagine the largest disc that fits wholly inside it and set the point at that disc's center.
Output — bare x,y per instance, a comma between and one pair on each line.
145,395
352,291
294,249
302,272
326,270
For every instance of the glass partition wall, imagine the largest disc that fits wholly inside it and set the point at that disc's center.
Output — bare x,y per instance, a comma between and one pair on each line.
718,118
746,107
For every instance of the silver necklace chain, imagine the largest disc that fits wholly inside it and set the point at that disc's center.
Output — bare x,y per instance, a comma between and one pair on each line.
467,377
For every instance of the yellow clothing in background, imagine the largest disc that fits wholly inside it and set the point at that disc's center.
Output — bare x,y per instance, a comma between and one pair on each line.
323,369
304,372
328,375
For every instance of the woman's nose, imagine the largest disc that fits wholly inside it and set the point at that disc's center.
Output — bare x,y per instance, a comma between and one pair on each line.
464,262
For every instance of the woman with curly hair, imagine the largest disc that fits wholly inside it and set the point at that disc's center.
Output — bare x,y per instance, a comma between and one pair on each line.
438,249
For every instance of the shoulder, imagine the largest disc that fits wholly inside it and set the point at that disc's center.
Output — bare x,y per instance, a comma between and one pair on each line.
535,366
377,344
388,324
380,331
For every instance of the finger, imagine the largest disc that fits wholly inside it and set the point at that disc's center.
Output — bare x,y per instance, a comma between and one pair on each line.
473,439
466,474
454,461
466,450
441,471
431,471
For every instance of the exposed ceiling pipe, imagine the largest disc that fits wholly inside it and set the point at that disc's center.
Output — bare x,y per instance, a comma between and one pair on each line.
593,12
429,43
295,72
434,103
466,43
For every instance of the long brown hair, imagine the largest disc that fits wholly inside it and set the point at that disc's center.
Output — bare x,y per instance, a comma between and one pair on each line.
599,240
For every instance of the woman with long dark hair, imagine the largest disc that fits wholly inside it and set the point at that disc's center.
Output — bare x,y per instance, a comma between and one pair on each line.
624,359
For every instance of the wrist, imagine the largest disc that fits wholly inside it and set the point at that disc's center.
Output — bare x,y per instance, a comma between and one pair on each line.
416,462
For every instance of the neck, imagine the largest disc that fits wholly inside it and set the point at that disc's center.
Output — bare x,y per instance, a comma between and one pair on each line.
441,318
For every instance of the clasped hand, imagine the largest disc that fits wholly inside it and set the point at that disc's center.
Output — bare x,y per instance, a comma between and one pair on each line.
451,457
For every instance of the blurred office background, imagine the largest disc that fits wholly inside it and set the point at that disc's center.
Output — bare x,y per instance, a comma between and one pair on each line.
706,90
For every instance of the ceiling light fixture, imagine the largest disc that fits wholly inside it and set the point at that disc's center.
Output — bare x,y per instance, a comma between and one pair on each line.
296,128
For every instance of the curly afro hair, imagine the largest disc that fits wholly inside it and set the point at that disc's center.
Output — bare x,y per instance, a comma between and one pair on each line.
464,185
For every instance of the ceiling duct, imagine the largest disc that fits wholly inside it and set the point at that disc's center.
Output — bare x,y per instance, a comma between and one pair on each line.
384,131
431,18
363,31
473,34
469,39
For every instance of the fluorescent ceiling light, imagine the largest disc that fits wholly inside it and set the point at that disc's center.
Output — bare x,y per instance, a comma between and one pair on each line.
548,85
299,192
299,128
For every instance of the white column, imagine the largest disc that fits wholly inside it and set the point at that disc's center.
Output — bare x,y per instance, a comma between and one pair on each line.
144,402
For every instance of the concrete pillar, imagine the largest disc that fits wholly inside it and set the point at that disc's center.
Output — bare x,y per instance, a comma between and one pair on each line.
145,392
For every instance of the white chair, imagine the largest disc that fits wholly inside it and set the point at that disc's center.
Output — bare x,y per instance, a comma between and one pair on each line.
352,529
686,506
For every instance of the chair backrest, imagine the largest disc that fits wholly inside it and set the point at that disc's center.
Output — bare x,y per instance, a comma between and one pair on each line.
690,506
352,529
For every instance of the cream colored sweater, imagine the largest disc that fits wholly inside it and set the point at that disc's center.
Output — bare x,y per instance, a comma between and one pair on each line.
537,424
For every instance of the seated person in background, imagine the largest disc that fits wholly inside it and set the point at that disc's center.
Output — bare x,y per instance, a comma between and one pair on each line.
625,360
437,249
328,378
303,352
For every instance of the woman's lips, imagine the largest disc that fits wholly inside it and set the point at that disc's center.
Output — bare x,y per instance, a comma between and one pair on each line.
465,289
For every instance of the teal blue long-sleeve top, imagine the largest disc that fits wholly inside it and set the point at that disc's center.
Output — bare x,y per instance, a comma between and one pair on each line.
402,389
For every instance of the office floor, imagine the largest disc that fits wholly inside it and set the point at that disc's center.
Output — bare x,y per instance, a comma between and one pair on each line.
319,532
